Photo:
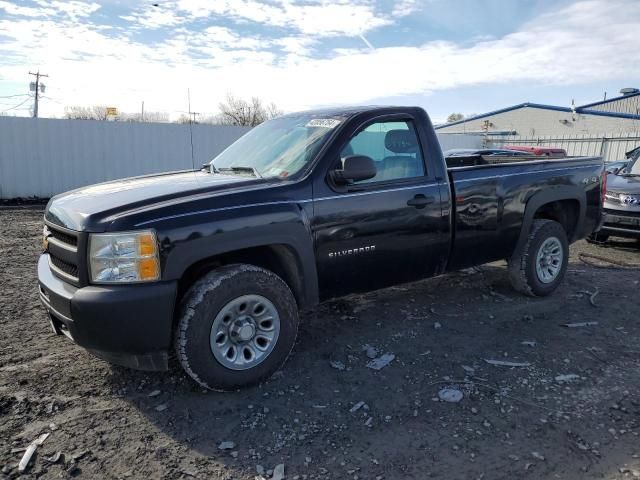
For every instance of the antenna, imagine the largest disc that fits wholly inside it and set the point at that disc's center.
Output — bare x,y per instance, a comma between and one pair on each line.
193,161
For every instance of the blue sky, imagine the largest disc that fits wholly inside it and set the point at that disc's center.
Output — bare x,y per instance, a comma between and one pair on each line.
466,56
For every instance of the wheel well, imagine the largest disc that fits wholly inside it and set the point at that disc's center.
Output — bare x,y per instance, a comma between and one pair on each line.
565,212
280,259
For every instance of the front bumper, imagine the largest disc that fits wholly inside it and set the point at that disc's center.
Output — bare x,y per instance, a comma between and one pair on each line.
128,325
621,223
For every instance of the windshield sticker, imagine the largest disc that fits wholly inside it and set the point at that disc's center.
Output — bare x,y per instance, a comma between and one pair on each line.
323,123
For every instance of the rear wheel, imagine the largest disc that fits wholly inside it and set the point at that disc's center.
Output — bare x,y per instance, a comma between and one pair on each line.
237,326
539,267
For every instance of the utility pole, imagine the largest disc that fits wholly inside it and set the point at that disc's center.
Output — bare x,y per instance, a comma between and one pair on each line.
142,113
192,115
37,90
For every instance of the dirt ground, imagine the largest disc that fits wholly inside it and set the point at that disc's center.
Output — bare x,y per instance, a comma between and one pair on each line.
513,422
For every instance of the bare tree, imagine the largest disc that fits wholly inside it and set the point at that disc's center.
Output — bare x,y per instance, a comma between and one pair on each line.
273,111
96,112
184,118
156,117
454,117
217,119
249,113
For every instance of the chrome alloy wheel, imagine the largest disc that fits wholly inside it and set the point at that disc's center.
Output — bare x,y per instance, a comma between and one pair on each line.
245,332
549,260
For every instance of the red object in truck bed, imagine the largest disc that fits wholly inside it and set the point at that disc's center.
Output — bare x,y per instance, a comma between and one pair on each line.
549,151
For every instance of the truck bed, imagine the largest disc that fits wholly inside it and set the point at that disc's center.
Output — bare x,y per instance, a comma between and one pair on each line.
477,160
490,199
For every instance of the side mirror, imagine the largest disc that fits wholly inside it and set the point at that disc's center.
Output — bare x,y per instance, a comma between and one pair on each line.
355,168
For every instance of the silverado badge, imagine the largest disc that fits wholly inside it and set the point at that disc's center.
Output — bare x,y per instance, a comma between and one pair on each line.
352,251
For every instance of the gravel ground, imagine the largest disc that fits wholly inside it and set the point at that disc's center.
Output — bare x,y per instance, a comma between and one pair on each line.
573,412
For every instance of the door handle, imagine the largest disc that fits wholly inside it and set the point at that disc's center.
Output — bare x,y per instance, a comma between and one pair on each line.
420,201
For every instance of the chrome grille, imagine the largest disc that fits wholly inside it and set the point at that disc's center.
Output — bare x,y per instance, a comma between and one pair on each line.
63,252
64,237
622,213
66,267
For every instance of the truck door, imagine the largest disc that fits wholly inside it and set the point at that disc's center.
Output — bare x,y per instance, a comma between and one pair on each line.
385,230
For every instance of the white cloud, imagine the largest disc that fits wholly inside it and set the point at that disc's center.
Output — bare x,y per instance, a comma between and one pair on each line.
312,17
12,9
297,46
155,18
584,42
402,8
72,8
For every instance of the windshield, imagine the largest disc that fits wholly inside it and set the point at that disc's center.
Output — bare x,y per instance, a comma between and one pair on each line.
278,148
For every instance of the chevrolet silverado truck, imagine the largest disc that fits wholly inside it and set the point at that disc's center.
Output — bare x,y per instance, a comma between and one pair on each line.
214,264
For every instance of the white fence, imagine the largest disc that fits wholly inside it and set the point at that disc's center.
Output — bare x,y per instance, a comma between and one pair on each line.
43,157
610,147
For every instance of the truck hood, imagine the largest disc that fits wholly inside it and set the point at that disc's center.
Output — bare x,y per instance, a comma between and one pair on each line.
81,209
623,184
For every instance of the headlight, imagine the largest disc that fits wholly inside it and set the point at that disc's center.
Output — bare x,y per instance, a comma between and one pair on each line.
124,257
611,196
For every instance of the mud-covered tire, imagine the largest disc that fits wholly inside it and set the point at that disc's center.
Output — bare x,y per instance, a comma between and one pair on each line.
194,339
522,265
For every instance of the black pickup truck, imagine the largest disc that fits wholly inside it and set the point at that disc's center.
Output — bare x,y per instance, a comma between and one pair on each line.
216,263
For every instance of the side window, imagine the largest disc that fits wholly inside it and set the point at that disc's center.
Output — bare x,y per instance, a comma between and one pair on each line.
394,148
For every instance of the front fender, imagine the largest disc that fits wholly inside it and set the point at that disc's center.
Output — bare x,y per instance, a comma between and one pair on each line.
224,232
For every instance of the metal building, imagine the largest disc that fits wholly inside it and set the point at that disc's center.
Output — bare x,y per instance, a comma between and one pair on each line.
616,115
629,103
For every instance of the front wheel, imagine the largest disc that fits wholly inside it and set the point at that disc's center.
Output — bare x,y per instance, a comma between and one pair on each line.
237,326
539,267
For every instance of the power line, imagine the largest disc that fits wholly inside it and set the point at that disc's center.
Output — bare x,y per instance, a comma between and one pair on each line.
35,105
18,95
11,103
18,105
7,105
52,99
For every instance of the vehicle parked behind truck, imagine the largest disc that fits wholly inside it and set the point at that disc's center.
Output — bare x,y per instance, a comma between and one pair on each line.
621,214
215,264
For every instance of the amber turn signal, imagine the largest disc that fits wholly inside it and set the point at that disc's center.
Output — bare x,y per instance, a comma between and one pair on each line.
148,269
146,244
